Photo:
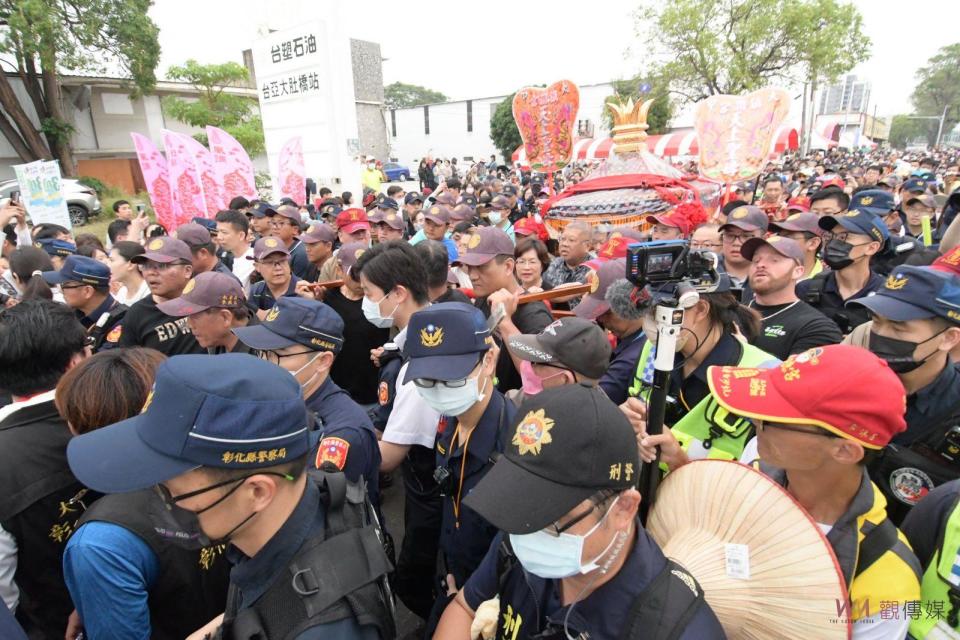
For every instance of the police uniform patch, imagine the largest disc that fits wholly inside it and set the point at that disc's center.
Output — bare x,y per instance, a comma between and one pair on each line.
190,285
156,244
333,450
114,335
383,394
533,432
910,484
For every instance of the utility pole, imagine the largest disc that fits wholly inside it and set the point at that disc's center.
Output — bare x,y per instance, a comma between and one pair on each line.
943,117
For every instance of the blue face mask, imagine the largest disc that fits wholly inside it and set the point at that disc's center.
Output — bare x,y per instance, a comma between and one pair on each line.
558,556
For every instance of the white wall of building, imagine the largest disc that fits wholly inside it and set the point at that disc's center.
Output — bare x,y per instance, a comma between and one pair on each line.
449,137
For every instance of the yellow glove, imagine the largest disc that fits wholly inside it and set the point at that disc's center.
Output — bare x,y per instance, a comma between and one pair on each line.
484,623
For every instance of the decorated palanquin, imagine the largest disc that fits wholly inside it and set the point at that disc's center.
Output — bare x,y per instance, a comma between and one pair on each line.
631,184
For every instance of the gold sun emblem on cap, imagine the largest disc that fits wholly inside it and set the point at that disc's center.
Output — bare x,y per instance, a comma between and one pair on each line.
190,285
358,253
391,216
270,242
774,239
156,244
895,282
740,212
533,432
593,279
474,241
867,200
272,314
434,210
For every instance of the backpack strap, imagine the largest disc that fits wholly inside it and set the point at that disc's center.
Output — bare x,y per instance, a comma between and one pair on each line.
333,494
814,292
663,610
875,543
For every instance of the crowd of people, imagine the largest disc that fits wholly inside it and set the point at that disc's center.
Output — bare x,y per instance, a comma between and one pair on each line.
197,428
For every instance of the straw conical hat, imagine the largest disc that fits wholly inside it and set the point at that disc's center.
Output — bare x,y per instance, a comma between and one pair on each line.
794,584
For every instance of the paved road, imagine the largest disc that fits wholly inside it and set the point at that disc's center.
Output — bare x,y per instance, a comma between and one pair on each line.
391,503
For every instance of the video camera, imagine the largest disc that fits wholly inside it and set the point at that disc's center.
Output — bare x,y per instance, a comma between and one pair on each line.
672,262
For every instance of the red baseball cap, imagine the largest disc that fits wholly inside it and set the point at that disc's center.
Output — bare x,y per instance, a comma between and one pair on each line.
800,203
351,220
672,220
948,262
844,389
530,227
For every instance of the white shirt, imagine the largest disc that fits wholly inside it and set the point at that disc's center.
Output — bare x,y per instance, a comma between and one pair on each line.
242,268
412,420
9,590
123,297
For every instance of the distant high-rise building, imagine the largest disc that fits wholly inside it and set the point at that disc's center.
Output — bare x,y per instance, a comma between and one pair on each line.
848,95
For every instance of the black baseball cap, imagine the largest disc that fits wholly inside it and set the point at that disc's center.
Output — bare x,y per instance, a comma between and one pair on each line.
573,343
566,444
413,196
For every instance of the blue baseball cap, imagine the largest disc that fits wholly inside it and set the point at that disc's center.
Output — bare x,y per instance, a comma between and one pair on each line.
912,293
443,341
915,185
295,321
858,222
874,201
80,269
55,247
233,411
262,210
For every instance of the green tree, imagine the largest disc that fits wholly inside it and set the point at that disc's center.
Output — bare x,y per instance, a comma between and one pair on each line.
708,47
658,117
904,129
938,86
43,38
399,95
503,129
237,115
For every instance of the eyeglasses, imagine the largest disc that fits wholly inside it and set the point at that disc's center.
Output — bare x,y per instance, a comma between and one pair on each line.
158,266
75,286
789,427
170,500
277,358
524,262
705,245
735,238
554,529
273,264
843,236
427,383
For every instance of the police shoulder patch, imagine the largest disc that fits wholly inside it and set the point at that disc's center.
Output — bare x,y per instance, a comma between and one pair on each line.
115,333
334,451
383,394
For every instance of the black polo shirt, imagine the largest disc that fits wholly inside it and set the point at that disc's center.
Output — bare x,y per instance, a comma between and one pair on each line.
832,304
261,299
532,317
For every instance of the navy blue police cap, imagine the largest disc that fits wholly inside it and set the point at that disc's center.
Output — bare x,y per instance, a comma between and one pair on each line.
262,210
233,411
874,201
859,222
80,269
444,340
914,293
915,185
55,247
294,321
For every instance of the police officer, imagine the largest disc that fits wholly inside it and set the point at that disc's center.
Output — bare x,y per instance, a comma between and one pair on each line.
900,248
916,323
226,441
304,337
852,240
213,304
574,560
453,362
85,284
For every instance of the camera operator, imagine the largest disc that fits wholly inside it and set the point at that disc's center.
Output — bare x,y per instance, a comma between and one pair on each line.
708,336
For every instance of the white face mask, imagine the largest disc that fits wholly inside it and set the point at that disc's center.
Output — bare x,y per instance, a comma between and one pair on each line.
371,311
452,401
495,217
311,378
559,556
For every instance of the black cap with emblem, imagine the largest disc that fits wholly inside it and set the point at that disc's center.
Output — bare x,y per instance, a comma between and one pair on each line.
566,444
